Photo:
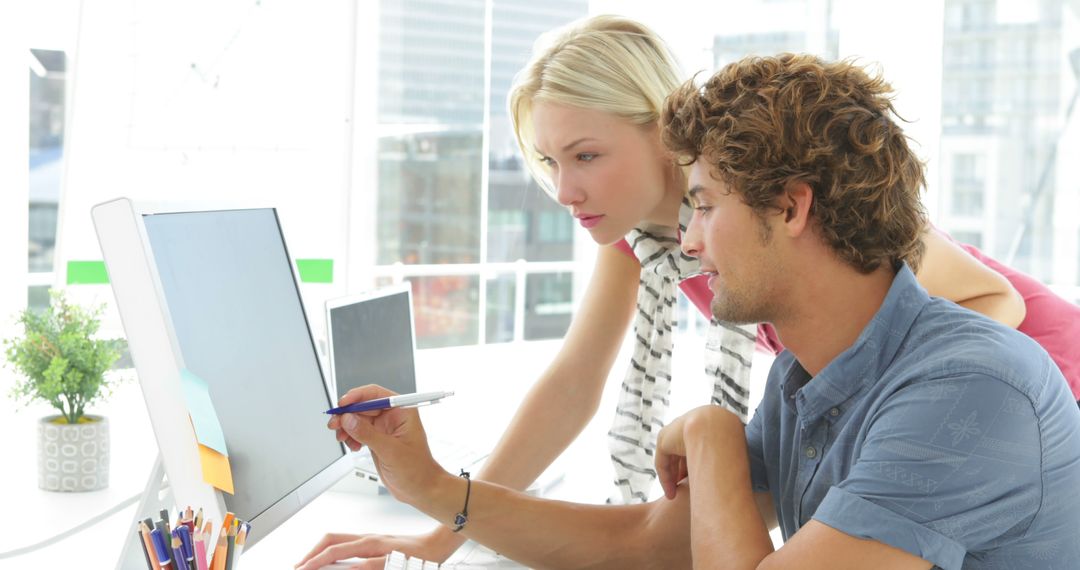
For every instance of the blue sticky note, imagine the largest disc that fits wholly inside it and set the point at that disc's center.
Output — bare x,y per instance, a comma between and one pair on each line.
203,415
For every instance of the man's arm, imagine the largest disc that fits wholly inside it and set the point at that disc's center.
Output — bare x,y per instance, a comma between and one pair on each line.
726,528
554,534
537,532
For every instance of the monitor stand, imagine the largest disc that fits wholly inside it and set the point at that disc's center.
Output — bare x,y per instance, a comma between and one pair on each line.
155,497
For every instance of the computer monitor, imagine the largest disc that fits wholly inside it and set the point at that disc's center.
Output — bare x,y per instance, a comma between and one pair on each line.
371,340
214,291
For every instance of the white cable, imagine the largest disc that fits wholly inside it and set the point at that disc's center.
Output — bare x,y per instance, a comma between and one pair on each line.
73,530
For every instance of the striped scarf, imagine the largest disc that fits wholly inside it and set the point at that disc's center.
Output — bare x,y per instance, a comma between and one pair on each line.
644,397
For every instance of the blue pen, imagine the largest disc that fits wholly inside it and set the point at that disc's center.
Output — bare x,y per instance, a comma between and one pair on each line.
400,401
161,549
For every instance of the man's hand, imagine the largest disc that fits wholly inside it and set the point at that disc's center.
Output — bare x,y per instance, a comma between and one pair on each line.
374,548
397,441
709,425
671,456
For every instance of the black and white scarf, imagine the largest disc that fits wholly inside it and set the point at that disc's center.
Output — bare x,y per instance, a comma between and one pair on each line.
644,397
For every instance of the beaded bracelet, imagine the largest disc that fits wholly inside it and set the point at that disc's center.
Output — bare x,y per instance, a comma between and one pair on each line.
463,516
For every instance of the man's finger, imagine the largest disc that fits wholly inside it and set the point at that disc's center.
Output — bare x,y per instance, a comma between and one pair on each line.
361,430
371,564
365,393
329,555
325,541
370,546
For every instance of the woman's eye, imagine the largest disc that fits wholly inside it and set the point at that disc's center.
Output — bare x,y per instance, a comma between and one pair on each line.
546,161
586,156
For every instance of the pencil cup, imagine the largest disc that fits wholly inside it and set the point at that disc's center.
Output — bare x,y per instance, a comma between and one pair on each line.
73,457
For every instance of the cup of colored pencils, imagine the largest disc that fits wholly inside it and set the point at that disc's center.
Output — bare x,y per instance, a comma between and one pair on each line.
191,544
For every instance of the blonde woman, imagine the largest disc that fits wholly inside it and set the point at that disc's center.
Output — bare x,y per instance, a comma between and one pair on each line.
586,115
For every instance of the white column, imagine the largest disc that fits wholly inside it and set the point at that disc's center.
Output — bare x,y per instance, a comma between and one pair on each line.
362,189
1066,266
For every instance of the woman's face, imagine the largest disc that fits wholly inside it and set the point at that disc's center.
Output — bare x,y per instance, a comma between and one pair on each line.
610,173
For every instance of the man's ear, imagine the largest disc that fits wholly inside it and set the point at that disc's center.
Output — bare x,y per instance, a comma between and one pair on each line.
796,201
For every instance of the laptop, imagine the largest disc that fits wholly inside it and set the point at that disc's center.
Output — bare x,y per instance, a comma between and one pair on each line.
371,340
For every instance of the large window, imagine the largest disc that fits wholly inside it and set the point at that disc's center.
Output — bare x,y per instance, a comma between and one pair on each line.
488,254
48,82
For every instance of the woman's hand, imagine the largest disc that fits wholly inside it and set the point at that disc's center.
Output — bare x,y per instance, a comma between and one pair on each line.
434,546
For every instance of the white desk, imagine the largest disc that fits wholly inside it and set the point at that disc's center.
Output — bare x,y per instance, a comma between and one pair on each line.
505,372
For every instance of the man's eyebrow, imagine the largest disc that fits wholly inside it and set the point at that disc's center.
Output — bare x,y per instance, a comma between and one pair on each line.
694,191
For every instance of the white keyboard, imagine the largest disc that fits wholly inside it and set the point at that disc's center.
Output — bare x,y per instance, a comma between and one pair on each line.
471,556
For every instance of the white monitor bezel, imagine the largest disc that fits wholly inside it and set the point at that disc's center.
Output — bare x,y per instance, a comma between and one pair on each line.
158,361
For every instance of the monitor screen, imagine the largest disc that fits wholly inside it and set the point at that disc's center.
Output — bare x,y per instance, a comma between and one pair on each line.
372,343
240,325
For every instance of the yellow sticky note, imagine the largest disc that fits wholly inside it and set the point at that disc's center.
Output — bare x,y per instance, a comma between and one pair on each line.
215,469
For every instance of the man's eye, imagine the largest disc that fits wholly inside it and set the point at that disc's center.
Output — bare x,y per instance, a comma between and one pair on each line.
703,209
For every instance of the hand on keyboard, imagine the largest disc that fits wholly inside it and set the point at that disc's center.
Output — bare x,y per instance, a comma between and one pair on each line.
373,548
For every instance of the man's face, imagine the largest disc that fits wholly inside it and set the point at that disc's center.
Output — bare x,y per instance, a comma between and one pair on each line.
734,248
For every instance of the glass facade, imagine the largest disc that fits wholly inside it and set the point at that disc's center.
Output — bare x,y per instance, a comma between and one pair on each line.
48,79
432,67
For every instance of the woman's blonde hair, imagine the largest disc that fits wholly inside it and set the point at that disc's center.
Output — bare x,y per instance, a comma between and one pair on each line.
604,63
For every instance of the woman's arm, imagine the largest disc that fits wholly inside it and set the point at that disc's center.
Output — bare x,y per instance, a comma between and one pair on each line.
567,394
949,272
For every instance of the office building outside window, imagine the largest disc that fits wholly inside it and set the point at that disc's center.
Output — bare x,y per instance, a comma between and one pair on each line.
48,83
488,253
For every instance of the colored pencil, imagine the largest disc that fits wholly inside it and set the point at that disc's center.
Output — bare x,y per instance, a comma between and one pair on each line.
148,547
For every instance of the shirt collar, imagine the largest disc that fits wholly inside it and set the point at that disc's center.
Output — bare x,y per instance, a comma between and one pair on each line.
864,361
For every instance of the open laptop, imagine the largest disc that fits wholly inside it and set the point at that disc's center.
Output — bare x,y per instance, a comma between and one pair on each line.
372,341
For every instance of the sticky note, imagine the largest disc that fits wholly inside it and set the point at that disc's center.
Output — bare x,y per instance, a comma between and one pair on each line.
316,270
87,273
215,469
201,409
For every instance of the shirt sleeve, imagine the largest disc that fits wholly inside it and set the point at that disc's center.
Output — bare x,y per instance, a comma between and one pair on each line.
947,466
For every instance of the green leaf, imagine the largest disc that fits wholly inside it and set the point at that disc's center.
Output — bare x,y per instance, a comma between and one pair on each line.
60,361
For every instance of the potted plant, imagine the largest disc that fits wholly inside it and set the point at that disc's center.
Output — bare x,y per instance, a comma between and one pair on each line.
62,363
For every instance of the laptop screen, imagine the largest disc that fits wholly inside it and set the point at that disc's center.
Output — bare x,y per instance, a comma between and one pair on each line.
371,342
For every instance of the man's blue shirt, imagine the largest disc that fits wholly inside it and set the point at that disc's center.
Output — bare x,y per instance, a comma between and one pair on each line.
939,432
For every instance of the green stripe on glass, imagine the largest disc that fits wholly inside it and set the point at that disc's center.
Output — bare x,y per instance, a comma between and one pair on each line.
316,270
87,273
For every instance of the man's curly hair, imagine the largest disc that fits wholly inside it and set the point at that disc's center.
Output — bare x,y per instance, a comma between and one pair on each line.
763,122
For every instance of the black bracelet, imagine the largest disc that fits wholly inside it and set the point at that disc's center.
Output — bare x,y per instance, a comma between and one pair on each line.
463,516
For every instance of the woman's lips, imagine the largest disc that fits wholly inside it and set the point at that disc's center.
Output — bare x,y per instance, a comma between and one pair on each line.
589,222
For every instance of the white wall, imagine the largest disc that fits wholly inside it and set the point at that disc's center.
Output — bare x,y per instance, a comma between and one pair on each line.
208,100
14,157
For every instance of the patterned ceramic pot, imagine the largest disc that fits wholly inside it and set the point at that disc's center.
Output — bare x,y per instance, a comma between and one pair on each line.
73,457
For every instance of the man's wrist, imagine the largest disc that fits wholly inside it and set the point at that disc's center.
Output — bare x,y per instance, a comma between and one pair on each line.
715,430
441,498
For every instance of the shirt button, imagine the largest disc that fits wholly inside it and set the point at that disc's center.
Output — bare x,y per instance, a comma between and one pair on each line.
834,412
811,452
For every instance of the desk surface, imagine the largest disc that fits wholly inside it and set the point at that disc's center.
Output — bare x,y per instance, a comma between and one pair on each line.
43,514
